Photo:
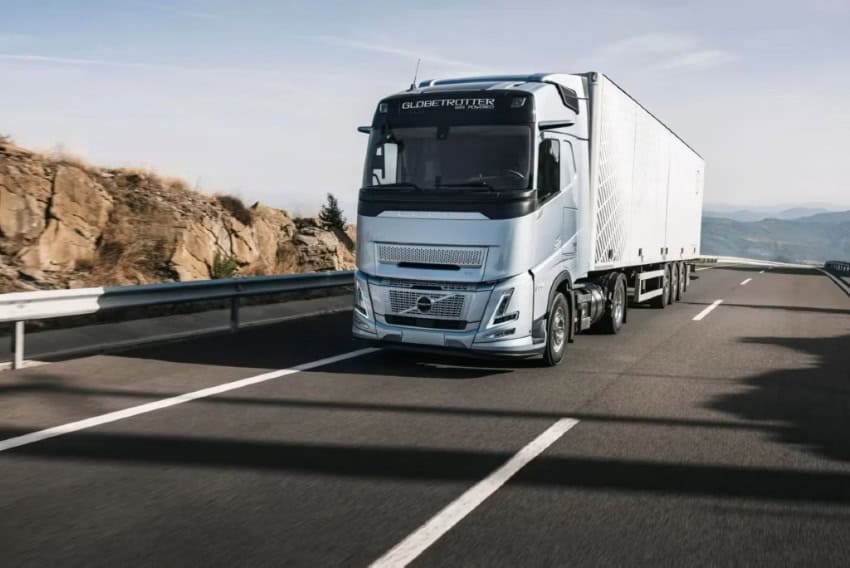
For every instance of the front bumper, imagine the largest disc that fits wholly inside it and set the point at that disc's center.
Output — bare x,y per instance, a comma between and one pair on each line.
482,335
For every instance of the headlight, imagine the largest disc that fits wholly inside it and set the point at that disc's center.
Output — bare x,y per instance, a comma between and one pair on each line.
362,300
501,315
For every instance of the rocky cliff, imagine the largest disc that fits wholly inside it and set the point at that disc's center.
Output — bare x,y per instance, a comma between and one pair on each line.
66,224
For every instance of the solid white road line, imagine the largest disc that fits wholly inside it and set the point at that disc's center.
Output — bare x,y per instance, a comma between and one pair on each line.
745,282
70,427
415,544
708,310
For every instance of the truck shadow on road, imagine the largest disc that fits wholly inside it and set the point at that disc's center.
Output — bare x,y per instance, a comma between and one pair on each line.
440,464
808,407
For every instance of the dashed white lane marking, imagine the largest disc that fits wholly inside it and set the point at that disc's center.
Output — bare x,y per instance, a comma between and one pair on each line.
704,268
761,271
70,427
415,544
745,282
708,310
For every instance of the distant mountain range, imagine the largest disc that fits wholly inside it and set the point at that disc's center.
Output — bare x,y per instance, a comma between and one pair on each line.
787,212
792,234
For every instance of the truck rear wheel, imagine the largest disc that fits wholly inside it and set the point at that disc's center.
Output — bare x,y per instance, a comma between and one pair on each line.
660,302
557,330
615,309
682,269
674,282
687,271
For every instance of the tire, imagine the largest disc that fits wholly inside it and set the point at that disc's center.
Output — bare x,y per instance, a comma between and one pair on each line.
687,268
683,276
557,330
674,283
660,302
615,309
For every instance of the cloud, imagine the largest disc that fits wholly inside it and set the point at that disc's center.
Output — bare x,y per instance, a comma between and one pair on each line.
665,50
394,51
137,65
652,43
699,59
191,14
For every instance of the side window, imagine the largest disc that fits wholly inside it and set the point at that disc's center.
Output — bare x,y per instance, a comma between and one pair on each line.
548,169
384,164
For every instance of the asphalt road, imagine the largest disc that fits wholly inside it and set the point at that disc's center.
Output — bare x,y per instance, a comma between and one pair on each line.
719,441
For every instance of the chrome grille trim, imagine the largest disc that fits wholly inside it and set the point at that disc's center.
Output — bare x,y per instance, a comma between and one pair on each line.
466,257
431,285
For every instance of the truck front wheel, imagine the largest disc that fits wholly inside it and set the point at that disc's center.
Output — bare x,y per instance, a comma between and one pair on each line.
557,330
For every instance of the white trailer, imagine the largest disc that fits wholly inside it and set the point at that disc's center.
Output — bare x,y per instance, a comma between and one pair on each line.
503,215
646,188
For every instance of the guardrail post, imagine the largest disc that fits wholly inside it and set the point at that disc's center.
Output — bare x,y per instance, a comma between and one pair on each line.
234,314
18,345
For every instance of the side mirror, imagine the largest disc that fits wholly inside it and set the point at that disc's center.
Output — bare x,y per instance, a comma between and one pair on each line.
364,129
555,124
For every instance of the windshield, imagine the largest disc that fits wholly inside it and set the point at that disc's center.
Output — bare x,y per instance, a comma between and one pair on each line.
496,157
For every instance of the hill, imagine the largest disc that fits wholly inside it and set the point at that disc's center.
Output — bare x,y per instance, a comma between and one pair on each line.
814,238
66,224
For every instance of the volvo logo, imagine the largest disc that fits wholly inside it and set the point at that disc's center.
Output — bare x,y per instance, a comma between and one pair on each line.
423,304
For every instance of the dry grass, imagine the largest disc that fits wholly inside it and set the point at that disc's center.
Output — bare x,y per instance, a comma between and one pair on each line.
175,184
287,258
236,208
62,157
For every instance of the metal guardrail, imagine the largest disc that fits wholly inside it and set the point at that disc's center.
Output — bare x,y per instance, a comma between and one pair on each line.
750,262
20,307
837,267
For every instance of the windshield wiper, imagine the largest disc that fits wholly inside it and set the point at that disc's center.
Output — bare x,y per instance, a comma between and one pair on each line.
472,184
396,185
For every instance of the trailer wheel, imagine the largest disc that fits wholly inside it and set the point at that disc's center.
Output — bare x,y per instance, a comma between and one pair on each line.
687,268
682,269
660,302
615,308
674,282
557,330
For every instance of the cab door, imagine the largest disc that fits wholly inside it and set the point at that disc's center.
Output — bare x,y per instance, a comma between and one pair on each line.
549,219
569,188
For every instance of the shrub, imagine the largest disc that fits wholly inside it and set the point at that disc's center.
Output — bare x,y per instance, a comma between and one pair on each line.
84,265
236,208
331,213
224,266
110,252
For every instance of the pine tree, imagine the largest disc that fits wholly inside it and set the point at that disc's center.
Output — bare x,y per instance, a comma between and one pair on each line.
331,214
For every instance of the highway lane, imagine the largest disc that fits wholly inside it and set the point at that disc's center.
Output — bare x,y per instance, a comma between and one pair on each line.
719,440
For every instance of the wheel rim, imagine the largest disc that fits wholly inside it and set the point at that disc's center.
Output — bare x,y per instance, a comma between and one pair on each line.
618,302
559,329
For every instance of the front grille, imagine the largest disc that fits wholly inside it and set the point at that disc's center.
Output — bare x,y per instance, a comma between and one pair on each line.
446,256
426,322
440,305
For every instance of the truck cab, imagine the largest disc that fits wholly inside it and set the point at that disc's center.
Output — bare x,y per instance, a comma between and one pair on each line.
470,211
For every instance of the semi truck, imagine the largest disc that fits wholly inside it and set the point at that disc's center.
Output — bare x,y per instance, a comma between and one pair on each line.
504,215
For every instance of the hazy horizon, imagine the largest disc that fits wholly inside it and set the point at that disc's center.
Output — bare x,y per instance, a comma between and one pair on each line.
262,100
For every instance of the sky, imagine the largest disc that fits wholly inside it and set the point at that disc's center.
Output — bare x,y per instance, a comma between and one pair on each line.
261,98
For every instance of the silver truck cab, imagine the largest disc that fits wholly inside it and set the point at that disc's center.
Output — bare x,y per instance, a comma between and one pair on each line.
470,211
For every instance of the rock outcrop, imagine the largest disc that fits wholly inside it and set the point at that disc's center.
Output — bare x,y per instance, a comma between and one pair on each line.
66,224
